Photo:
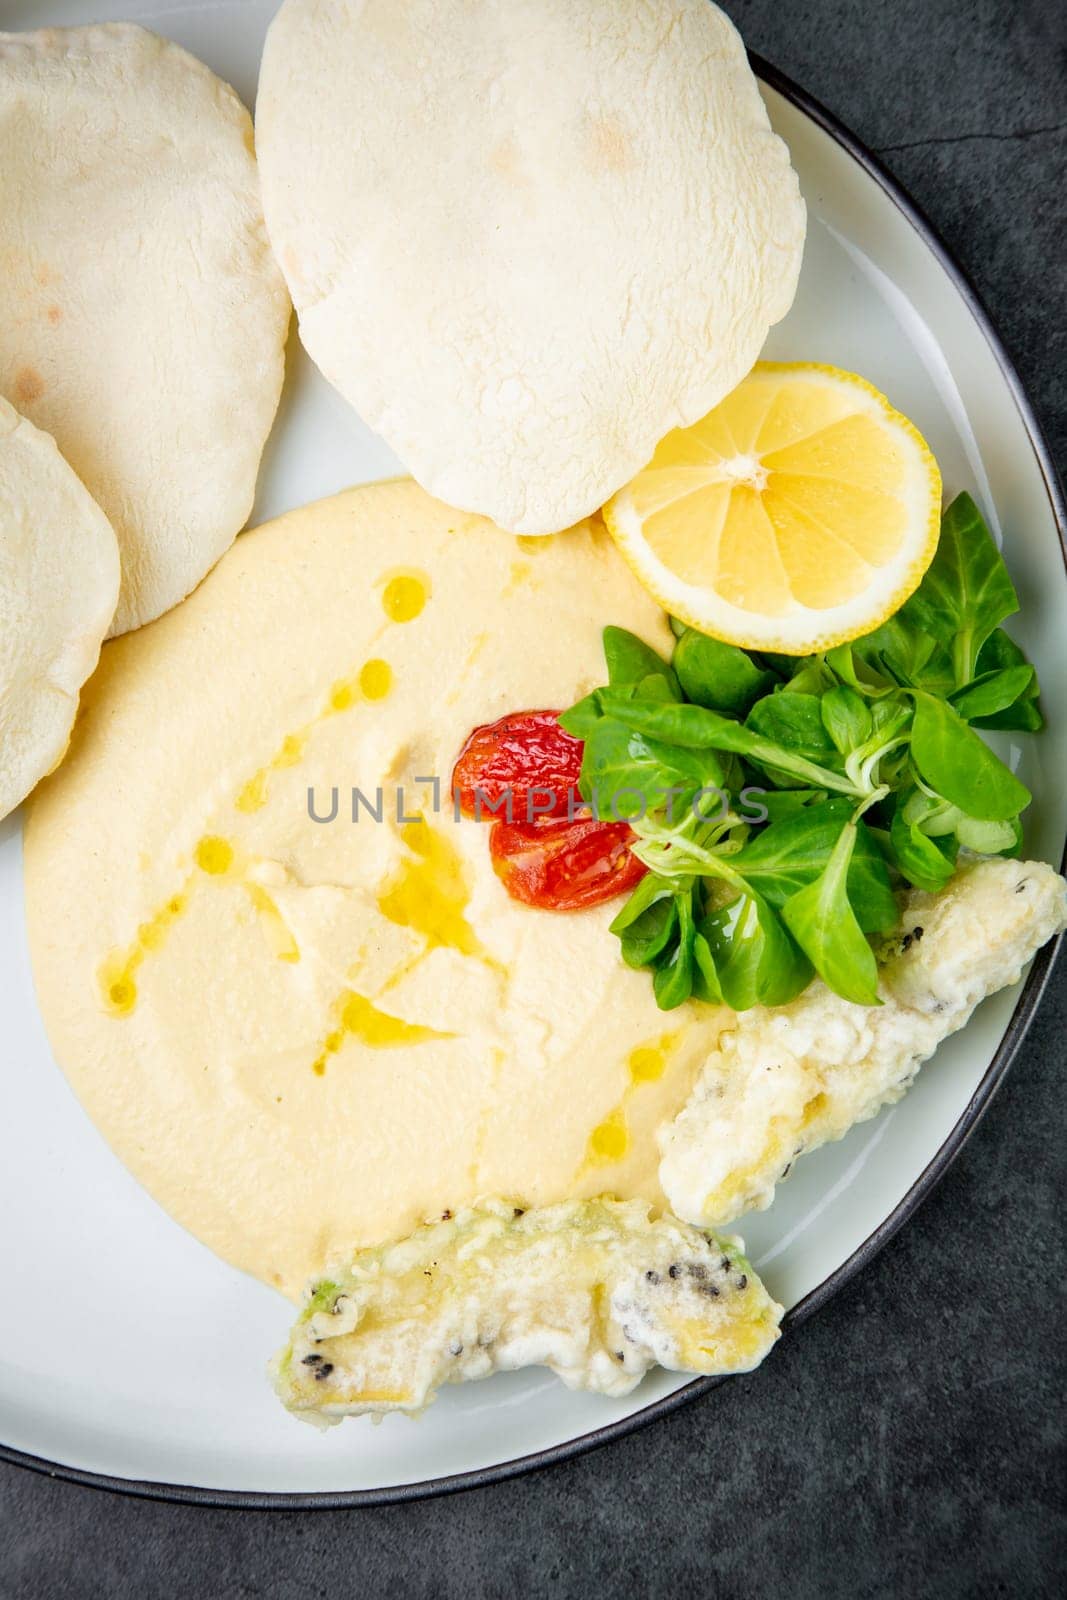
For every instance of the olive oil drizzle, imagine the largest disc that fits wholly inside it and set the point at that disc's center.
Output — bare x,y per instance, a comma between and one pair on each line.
359,1018
609,1141
214,858
404,597
428,893
373,681
404,594
117,974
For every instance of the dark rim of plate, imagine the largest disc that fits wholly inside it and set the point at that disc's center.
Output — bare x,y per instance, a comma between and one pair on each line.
1016,1030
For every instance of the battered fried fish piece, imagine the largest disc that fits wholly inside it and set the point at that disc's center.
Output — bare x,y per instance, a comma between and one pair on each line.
785,1080
596,1290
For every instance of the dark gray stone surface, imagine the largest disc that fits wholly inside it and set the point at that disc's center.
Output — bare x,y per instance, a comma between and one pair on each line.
908,1440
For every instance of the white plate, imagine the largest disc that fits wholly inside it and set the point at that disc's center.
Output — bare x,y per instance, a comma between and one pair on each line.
128,1353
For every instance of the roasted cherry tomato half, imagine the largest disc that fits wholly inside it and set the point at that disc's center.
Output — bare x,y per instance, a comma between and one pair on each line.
527,754
564,866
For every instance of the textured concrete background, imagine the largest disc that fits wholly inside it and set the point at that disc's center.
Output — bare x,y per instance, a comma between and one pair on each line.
909,1440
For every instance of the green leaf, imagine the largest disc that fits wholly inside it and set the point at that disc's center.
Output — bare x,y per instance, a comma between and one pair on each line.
1023,717
916,857
853,668
647,941
757,960
999,653
706,985
695,728
957,763
822,922
933,642
580,719
718,676
846,718
889,716
782,803
938,675
653,687
672,984
626,774
986,838
786,666
966,591
794,721
629,660
788,855
647,921
651,891
992,692
899,648
813,679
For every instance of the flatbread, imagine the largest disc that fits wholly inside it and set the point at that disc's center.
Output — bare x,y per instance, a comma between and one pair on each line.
59,581
144,317
525,241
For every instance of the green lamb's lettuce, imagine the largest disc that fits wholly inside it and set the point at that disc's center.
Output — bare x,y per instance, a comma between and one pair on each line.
780,802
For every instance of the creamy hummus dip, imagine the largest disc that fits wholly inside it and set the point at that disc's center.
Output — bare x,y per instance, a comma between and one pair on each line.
305,1033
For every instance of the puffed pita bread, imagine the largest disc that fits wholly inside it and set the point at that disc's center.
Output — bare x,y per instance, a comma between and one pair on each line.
59,581
144,318
525,240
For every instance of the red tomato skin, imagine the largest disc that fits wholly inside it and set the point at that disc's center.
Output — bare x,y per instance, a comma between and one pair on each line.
524,751
564,866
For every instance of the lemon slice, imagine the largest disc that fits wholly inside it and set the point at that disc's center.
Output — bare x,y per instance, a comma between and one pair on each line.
802,511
